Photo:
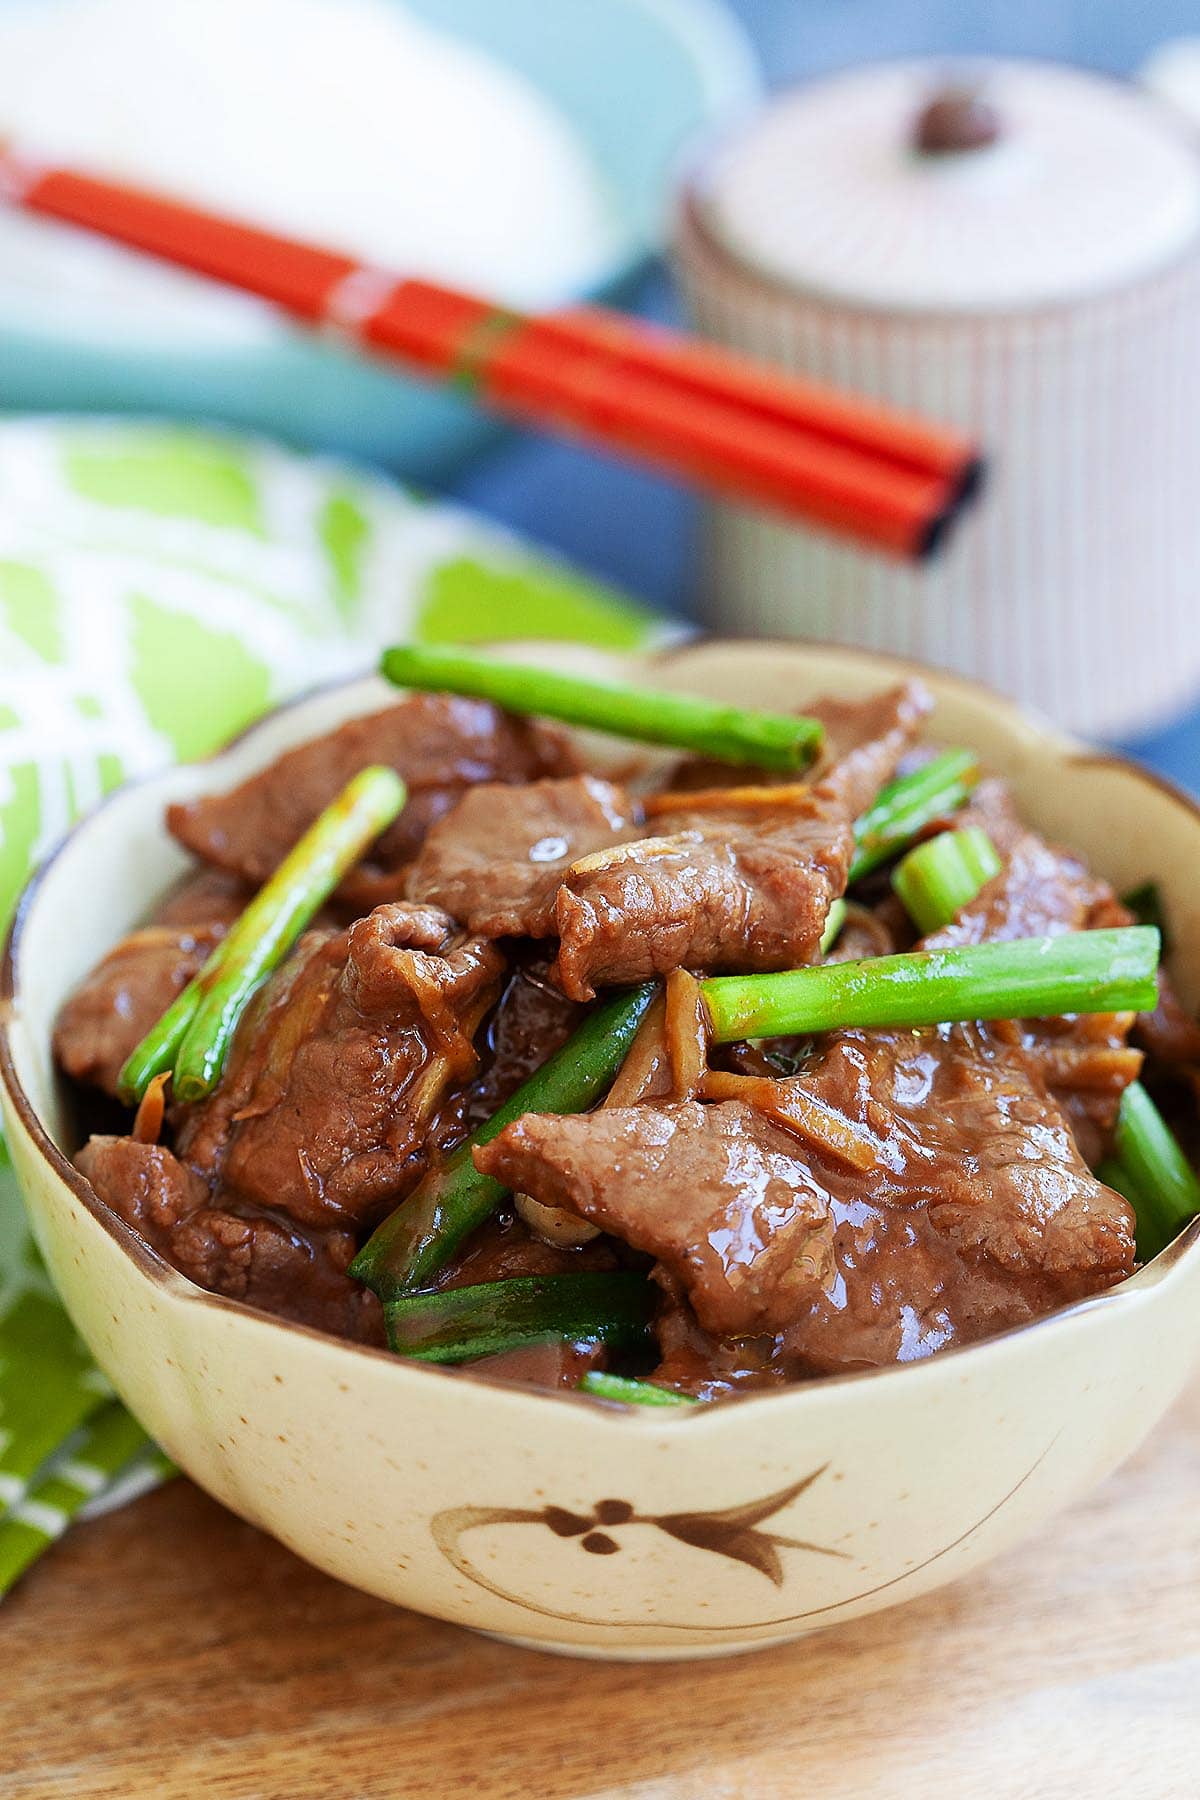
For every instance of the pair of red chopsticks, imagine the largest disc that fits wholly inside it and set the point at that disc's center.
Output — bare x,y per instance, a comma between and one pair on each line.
717,419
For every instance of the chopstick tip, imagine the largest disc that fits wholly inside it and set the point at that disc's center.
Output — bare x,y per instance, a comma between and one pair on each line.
962,495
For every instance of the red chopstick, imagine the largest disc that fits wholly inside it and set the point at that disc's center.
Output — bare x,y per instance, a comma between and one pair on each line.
718,419
706,368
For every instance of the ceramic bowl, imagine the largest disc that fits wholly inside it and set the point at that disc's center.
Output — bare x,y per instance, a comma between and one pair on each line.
639,79
562,1522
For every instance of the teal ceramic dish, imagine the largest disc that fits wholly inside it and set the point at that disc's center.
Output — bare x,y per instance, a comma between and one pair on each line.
641,79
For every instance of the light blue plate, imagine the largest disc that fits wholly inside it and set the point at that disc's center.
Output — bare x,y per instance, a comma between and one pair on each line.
640,79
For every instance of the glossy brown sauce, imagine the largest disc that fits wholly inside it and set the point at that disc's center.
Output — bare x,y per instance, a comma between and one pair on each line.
802,1207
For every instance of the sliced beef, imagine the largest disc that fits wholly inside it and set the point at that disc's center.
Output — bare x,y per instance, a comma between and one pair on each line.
323,1117
1042,891
115,1006
736,878
497,859
439,743
339,1069
866,740
926,1190
714,1192
728,883
144,1184
722,894
701,1363
274,1264
113,1009
262,1259
979,1214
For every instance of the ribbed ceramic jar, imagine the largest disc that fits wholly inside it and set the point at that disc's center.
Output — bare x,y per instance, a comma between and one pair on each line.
1042,289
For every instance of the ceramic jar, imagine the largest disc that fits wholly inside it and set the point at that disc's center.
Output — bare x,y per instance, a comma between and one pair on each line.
1017,252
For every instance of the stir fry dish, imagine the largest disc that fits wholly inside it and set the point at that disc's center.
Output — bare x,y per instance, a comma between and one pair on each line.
792,1052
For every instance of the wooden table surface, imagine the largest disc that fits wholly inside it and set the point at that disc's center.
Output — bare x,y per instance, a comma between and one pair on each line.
170,1650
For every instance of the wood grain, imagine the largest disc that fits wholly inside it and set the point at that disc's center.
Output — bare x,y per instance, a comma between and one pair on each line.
170,1650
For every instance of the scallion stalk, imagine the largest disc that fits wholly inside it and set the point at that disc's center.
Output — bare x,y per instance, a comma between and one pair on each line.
461,1323
193,1036
909,804
1029,978
708,727
941,876
628,1392
1165,1191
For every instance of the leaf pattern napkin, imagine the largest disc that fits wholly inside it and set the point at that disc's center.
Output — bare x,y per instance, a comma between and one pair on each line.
159,588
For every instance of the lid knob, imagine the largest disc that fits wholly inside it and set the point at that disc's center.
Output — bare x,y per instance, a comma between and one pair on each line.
955,120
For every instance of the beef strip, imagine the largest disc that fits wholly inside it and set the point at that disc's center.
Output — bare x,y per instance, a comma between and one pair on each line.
115,1006
204,897
709,1190
980,1213
265,1260
732,885
727,894
497,859
338,1070
867,740
367,985
935,1195
699,1363
113,1009
724,882
439,743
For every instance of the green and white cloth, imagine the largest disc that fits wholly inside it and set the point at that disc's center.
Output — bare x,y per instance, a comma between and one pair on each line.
159,588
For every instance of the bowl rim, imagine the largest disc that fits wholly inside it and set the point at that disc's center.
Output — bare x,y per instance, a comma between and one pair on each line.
180,1289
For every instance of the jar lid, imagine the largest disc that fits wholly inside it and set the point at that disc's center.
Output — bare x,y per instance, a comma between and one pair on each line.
907,187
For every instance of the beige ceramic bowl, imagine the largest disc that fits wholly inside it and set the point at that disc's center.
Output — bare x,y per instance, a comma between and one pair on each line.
562,1522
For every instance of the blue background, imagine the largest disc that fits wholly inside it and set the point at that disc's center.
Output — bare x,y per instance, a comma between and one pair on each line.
637,530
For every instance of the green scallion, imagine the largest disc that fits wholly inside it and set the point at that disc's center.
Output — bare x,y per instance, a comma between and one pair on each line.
465,1322
1165,1191
193,1036
629,1392
708,727
939,877
908,805
1029,978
